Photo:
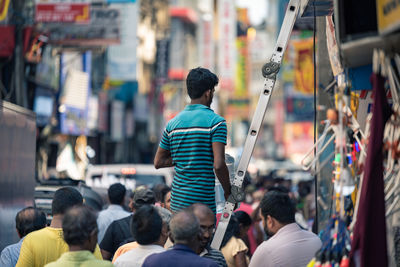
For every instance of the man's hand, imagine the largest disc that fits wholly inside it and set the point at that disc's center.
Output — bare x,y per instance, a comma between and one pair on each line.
221,170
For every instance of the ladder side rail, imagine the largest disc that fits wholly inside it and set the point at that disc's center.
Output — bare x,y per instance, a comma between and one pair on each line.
265,95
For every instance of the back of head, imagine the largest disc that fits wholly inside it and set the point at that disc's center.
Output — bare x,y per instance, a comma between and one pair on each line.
78,224
279,206
201,210
146,225
199,80
160,190
28,220
116,193
65,198
184,227
243,218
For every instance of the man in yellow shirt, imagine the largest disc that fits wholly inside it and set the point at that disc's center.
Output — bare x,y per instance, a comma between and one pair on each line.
80,233
46,245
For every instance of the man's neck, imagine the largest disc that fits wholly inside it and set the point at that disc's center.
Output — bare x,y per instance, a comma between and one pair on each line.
198,101
73,248
191,245
56,222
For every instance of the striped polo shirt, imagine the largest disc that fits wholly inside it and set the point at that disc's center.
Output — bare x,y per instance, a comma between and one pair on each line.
189,137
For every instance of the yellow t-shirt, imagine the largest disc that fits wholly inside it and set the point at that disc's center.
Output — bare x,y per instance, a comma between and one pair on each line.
43,246
233,247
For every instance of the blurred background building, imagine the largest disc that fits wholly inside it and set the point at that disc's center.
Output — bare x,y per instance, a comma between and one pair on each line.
104,77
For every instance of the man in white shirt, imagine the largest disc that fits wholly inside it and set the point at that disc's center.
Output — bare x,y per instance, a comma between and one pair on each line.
116,196
288,244
150,233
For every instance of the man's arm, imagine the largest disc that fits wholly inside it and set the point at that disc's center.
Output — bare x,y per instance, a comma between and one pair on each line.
221,170
163,158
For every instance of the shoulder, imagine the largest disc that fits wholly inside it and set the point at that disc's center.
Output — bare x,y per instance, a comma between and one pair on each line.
101,263
207,262
121,222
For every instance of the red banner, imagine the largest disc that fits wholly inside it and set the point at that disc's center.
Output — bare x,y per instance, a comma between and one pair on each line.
63,13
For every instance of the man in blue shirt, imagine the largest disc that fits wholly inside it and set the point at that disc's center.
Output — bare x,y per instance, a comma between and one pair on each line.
194,142
27,220
185,230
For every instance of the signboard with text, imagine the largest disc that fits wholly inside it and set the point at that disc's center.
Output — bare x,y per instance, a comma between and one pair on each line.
226,44
388,15
62,12
103,29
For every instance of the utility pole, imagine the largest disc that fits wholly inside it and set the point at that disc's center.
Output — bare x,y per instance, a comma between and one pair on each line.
19,76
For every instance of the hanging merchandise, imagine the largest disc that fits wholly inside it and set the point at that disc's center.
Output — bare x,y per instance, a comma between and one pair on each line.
369,237
335,246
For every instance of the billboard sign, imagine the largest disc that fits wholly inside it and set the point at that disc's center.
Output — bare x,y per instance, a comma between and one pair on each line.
226,43
62,12
103,29
388,15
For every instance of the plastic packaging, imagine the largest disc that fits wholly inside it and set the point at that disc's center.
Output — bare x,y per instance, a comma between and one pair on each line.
219,191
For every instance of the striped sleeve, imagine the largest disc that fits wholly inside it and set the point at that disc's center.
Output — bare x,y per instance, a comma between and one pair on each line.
219,133
164,143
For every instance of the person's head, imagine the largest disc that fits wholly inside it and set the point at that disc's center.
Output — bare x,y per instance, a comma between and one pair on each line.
80,228
166,217
143,196
65,198
244,222
206,219
200,83
146,225
277,210
159,190
116,194
167,201
185,229
28,220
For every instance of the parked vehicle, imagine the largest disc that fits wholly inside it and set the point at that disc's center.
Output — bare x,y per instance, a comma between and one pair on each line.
100,177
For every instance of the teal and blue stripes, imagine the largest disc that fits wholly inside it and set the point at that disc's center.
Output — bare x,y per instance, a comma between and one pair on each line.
189,137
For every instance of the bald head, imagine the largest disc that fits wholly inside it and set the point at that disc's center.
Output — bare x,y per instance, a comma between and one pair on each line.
184,227
202,211
28,220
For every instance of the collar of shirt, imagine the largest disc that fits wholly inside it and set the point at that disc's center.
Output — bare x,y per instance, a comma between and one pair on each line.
204,252
183,247
291,227
114,207
196,106
150,247
80,255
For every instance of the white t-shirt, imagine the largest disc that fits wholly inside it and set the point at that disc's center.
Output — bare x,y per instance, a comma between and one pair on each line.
136,256
290,247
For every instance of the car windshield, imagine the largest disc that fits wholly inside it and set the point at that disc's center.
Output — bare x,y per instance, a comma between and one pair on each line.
129,180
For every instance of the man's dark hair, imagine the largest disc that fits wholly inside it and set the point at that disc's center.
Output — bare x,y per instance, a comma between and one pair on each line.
243,218
279,206
65,198
160,190
29,219
146,225
116,193
78,224
199,80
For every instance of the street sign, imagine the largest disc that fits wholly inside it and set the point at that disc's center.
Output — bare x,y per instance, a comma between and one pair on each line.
63,12
103,29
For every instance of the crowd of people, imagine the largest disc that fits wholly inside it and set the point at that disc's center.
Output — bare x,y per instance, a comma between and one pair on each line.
172,226
146,232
